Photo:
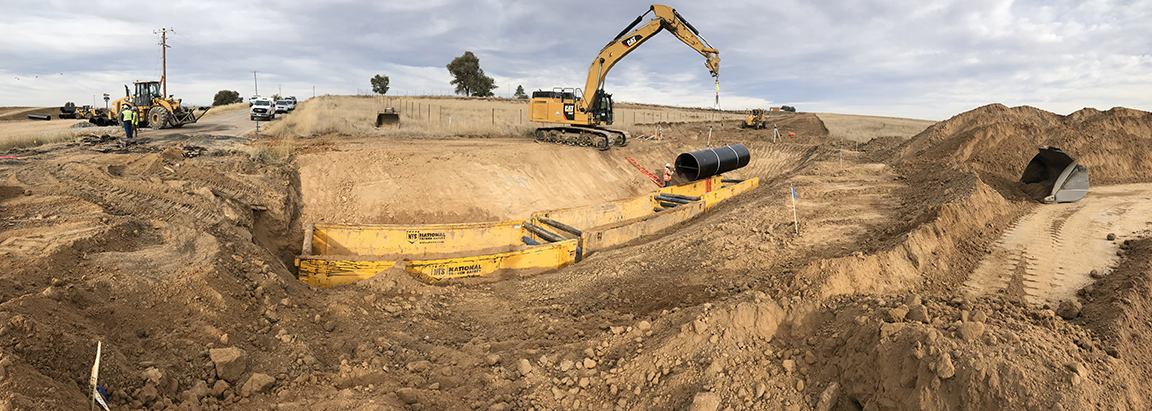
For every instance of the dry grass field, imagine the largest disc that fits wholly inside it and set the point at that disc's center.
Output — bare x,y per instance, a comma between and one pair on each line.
864,128
439,116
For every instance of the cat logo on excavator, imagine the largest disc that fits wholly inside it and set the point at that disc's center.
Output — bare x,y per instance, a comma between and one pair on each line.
1063,177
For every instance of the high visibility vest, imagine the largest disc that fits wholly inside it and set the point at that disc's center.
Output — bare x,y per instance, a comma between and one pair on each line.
129,115
667,174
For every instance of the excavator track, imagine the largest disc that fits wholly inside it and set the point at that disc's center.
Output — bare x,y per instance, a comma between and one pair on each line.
602,139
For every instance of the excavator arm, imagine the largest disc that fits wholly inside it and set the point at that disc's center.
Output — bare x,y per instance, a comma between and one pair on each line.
665,18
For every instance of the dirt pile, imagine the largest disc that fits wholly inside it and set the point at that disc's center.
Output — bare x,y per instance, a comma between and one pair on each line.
998,142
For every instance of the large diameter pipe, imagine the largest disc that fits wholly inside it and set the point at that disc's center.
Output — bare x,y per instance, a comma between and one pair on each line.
702,164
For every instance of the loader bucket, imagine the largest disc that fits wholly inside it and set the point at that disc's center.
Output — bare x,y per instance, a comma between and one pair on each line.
387,119
1064,179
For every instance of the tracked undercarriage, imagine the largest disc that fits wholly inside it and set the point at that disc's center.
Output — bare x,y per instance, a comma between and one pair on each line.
601,138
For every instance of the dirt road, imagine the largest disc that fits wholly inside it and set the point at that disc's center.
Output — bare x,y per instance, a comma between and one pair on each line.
232,124
1048,254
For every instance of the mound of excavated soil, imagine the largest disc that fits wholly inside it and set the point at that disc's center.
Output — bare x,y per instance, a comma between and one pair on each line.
997,142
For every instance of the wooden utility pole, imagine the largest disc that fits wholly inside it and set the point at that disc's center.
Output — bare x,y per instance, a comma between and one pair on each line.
164,59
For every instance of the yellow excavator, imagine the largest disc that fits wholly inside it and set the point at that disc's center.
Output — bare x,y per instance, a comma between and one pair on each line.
580,114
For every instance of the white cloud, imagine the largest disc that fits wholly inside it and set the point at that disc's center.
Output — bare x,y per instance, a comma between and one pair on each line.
887,57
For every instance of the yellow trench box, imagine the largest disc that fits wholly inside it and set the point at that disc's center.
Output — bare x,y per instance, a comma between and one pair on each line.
342,254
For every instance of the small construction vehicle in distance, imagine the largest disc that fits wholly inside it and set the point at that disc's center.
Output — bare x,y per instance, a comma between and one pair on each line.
754,119
578,115
155,109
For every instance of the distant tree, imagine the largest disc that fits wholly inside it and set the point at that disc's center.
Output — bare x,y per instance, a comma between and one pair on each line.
469,78
275,98
69,104
379,84
520,93
789,109
226,97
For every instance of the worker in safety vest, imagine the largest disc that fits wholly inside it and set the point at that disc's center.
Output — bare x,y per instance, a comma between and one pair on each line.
129,118
667,174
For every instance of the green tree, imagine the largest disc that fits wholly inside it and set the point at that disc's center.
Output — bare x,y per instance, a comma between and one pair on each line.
226,97
69,104
520,93
789,109
469,78
275,98
379,84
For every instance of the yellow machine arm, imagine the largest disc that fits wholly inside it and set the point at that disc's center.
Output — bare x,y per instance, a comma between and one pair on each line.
666,18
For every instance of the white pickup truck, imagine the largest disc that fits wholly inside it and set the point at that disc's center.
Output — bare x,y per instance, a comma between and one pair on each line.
262,109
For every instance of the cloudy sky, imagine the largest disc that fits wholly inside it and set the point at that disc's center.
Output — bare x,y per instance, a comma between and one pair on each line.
906,58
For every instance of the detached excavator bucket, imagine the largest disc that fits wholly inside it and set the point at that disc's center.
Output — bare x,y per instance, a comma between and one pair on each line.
388,118
1064,178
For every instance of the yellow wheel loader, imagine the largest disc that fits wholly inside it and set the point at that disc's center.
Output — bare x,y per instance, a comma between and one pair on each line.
155,110
580,114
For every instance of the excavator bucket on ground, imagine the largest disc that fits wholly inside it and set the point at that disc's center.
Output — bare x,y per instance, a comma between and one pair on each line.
1064,178
388,118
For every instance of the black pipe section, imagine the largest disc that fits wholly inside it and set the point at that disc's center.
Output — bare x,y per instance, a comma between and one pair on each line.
681,196
674,200
563,227
658,209
668,205
702,164
545,234
39,117
528,240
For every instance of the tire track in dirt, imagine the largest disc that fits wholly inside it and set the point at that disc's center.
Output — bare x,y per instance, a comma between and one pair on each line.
129,197
1060,244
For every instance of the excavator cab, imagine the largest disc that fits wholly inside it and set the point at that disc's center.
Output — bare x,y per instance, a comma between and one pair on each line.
601,109
1063,178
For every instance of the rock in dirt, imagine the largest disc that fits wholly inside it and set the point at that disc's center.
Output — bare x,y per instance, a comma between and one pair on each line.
944,367
705,401
566,365
918,312
218,388
1069,309
230,362
897,314
524,367
971,331
418,366
408,395
257,383
199,389
1111,236
789,366
828,397
589,363
699,326
1094,274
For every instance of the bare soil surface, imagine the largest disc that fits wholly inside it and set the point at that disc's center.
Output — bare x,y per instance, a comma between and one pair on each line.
885,293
